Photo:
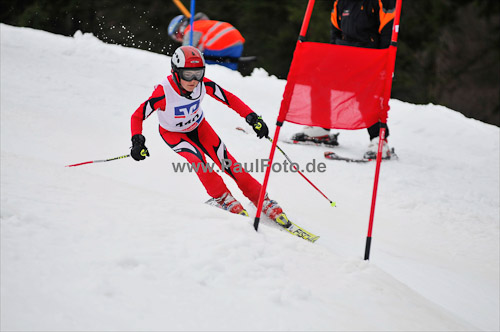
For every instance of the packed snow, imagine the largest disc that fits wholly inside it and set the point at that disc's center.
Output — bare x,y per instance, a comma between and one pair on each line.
129,246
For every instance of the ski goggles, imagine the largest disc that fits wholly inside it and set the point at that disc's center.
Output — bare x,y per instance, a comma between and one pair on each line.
192,74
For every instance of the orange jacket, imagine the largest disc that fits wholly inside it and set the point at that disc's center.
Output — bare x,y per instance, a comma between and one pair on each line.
213,35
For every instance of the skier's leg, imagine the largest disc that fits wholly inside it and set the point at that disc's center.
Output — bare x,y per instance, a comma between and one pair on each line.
373,131
216,149
184,146
213,146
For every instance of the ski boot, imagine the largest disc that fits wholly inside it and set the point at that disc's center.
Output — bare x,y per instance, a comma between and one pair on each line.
229,203
371,153
272,209
316,135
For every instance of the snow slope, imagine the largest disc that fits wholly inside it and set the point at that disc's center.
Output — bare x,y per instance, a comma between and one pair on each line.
129,246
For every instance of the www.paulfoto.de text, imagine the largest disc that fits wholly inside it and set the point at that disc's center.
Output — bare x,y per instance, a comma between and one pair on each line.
259,165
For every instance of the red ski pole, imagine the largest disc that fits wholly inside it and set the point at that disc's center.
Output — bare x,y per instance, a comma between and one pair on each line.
294,165
332,203
99,161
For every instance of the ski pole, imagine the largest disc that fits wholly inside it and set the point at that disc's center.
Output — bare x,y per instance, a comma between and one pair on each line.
181,7
295,167
302,174
99,161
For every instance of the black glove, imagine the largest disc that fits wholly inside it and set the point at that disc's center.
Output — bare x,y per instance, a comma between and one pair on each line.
139,151
258,125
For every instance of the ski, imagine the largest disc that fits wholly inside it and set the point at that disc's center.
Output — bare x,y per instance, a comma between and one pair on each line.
292,229
333,156
295,229
302,233
327,141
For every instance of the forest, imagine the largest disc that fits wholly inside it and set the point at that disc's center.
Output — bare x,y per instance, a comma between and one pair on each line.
448,50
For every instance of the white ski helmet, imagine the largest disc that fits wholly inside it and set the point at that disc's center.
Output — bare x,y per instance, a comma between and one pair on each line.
187,57
187,63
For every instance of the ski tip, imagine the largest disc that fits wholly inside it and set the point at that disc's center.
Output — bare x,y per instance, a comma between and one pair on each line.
302,233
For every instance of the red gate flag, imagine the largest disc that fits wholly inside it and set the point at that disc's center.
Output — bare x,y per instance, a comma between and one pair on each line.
335,86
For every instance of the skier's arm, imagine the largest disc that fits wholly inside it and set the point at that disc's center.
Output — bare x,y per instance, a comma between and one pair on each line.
227,98
335,32
386,16
156,101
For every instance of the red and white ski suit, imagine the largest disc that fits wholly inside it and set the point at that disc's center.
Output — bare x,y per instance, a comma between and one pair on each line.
184,128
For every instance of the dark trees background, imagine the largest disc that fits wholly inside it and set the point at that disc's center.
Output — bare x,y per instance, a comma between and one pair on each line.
448,50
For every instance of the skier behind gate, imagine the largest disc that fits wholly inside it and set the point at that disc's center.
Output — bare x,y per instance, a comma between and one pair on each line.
358,23
216,39
183,127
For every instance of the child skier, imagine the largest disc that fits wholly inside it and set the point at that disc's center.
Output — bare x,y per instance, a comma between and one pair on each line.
184,129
